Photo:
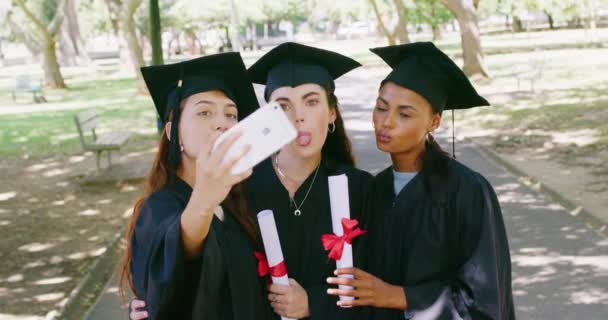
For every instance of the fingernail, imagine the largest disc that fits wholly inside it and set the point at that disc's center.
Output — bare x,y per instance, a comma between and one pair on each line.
336,272
146,314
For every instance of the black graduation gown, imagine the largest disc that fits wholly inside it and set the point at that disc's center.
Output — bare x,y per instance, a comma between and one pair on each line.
444,241
300,237
220,283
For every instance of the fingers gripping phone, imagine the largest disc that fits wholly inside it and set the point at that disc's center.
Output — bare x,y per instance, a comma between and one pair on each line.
266,130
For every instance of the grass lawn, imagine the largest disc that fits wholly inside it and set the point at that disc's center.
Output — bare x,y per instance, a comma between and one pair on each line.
37,134
569,105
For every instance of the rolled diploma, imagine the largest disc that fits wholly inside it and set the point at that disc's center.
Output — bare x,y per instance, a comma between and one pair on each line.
272,245
340,208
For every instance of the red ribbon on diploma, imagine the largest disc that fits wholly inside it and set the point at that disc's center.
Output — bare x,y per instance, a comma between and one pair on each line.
263,269
335,243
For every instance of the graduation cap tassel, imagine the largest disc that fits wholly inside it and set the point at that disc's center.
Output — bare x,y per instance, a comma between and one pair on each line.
453,137
174,145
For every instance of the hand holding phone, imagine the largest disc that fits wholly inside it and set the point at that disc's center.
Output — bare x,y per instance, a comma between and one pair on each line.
266,131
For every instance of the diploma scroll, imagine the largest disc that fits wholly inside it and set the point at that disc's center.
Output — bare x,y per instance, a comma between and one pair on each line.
272,246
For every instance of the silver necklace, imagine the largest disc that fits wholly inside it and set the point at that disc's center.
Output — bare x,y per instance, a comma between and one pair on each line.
298,212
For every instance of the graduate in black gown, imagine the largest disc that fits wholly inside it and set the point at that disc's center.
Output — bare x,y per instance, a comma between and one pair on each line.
293,183
439,250
191,239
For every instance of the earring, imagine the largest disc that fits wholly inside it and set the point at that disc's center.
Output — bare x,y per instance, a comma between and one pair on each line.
332,127
181,147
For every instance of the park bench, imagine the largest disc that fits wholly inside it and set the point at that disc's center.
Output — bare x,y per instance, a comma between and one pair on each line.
86,122
28,84
532,72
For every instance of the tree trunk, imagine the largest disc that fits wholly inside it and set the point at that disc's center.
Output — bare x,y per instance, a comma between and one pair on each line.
234,27
52,73
24,37
192,42
169,46
334,27
67,53
254,37
550,19
592,9
71,46
178,41
436,33
156,42
518,26
144,44
74,35
381,25
1,55
135,53
400,35
114,8
127,26
464,11
401,28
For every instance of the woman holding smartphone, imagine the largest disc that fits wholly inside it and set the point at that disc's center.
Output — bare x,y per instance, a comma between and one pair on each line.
191,238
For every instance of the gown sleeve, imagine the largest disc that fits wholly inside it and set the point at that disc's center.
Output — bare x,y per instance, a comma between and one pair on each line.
159,267
212,294
481,286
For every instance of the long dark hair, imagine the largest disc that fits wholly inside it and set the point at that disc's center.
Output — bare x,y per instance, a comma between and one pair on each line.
434,160
162,174
337,145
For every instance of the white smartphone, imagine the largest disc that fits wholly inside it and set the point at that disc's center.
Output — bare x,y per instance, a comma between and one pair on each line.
266,130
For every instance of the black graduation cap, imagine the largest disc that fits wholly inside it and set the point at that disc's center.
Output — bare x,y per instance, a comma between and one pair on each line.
293,64
170,84
423,68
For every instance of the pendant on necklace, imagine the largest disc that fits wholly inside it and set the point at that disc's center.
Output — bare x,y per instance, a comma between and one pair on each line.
297,213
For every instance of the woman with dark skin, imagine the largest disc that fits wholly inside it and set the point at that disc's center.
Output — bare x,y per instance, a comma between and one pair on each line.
439,249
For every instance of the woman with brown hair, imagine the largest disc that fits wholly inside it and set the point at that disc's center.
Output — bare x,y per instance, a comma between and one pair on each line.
190,238
294,182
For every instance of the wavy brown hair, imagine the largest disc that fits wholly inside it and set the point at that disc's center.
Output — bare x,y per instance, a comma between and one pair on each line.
338,145
162,174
